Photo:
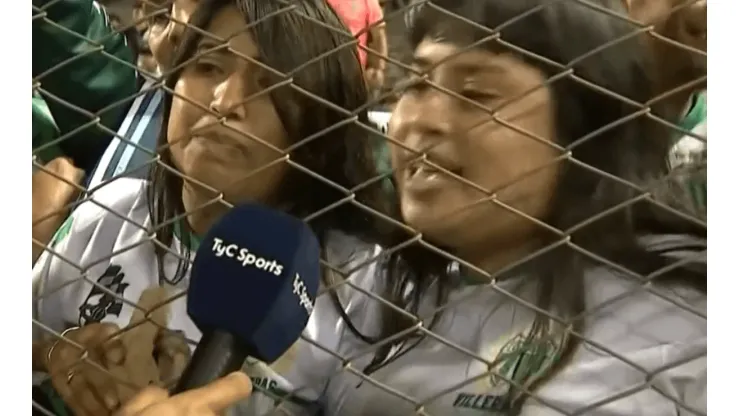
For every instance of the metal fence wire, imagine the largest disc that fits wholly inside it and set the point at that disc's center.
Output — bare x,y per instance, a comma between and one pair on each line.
672,31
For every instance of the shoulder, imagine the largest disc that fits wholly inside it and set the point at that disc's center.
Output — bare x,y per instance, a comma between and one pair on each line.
634,329
633,312
357,268
355,278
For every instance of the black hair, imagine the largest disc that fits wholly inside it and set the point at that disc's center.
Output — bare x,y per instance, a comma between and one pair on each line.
312,37
614,143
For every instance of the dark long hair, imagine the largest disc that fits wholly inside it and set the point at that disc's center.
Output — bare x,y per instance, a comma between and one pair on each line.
309,37
619,153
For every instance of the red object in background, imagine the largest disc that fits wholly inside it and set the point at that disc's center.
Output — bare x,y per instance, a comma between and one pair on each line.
358,15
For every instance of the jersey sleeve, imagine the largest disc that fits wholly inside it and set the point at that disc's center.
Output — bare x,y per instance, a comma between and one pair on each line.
90,232
298,382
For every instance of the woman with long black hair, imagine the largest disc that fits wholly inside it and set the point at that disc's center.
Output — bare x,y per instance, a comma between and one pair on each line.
242,123
556,269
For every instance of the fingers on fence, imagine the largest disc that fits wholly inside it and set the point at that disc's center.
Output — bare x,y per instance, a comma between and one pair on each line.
173,354
139,366
75,366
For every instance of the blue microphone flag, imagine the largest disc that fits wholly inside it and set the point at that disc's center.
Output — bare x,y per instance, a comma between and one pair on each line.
256,276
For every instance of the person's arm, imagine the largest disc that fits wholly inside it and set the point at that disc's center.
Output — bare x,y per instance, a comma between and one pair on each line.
377,39
92,76
55,275
53,190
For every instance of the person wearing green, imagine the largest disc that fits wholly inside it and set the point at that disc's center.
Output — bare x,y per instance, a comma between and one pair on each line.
689,155
84,79
45,130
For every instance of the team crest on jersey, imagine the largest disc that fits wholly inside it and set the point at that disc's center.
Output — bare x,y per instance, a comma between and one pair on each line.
517,359
100,303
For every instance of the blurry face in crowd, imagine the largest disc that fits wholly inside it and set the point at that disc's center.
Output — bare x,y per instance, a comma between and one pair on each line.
679,20
148,22
517,164
225,155
166,33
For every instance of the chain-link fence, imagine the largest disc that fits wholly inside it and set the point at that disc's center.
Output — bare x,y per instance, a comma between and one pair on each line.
556,148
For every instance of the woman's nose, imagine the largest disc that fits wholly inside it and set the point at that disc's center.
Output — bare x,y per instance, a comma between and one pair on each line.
429,116
229,98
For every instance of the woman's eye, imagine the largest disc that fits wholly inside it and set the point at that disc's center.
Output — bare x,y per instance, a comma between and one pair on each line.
479,96
207,68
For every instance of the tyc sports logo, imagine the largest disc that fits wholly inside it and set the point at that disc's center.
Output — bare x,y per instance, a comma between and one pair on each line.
299,289
245,257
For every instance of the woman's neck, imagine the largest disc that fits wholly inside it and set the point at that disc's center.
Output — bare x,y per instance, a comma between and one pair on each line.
496,258
201,212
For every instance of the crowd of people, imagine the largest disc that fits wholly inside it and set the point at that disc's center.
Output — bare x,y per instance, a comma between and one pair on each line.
550,158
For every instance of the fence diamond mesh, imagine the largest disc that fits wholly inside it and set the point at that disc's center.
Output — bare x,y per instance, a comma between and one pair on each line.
566,137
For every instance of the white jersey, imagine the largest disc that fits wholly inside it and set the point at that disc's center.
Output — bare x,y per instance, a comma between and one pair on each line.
646,355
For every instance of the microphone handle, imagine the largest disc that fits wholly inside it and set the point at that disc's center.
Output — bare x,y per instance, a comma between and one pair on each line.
218,354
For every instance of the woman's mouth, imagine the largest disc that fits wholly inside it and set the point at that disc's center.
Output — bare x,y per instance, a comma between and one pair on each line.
422,176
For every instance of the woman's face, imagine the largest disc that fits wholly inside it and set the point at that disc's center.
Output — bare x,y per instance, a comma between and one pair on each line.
514,158
683,22
234,147
164,33
148,23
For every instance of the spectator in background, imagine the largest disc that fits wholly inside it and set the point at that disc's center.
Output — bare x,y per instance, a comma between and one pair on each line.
87,86
681,70
681,75
364,19
160,24
67,141
166,33
150,18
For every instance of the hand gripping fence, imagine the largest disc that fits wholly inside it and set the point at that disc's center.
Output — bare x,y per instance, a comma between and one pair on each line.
81,116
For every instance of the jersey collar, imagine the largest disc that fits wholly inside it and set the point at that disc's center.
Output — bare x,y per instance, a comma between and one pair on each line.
193,240
697,112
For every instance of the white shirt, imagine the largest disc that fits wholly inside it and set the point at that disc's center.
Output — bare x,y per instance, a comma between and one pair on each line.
655,357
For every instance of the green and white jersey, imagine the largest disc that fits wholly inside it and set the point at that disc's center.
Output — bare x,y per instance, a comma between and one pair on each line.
66,296
688,157
689,149
646,353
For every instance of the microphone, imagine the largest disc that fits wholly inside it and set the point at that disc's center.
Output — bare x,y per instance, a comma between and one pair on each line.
253,286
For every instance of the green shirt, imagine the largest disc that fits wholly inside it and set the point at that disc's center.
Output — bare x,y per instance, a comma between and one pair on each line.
690,153
45,130
84,71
